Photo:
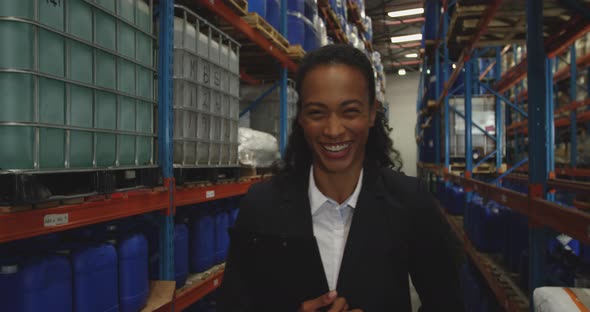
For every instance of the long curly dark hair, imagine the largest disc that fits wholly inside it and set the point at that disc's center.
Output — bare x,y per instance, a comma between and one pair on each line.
379,149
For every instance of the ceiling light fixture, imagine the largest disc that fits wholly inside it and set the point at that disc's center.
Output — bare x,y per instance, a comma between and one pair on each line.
401,72
414,37
412,55
401,13
454,66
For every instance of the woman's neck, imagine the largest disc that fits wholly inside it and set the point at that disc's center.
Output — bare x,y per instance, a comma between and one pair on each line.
337,186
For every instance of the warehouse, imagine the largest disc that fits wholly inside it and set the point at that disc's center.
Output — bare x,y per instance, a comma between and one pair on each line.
294,155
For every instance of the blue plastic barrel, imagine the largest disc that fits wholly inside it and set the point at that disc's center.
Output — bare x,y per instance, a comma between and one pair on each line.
202,240
46,284
133,272
310,8
181,242
457,206
222,236
11,283
152,234
489,237
273,13
258,6
515,240
95,279
299,6
312,38
296,33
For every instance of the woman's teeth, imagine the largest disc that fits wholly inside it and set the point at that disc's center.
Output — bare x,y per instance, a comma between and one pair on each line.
336,148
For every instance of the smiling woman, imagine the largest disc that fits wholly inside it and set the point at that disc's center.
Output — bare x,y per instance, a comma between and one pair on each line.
339,228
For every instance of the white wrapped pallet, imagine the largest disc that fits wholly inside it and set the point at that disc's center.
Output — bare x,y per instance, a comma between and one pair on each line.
257,148
561,299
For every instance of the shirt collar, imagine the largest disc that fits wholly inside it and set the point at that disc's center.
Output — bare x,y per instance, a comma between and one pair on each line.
317,199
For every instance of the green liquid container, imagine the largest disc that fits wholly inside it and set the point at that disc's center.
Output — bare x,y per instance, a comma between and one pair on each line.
72,105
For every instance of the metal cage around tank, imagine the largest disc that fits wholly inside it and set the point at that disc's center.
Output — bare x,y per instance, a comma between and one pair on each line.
206,93
64,112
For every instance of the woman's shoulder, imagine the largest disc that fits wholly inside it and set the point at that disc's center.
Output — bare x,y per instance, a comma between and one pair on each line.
398,181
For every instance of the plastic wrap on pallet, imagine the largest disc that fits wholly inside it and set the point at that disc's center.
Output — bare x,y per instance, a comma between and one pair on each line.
322,31
559,299
257,148
580,45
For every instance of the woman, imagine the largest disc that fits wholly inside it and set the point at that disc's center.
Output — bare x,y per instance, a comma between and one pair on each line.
339,228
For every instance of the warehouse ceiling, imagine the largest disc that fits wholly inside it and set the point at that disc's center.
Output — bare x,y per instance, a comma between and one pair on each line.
393,55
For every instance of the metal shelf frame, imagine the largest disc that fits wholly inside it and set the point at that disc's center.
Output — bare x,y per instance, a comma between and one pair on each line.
538,122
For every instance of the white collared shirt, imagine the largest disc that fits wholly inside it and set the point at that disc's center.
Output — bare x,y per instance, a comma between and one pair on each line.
331,224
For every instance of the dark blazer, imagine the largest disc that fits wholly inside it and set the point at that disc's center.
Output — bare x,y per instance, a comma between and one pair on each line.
396,231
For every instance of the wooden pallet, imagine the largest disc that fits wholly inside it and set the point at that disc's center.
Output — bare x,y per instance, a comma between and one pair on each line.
296,52
43,205
239,6
260,24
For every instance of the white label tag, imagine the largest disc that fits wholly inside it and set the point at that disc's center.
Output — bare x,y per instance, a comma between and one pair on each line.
56,219
209,194
216,282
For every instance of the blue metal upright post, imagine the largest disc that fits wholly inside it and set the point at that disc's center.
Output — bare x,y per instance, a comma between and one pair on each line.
437,93
538,134
573,113
446,100
468,125
499,115
550,124
165,126
283,95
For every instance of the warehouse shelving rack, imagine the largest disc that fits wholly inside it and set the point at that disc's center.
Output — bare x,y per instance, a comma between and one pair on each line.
538,205
161,200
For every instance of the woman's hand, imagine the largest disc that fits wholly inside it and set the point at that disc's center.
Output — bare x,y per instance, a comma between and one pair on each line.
330,299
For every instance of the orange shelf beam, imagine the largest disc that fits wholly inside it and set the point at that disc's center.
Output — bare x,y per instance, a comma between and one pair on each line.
575,28
29,223
522,126
201,194
569,221
189,295
227,14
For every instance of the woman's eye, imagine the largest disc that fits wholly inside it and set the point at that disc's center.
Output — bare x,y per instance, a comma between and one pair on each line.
352,111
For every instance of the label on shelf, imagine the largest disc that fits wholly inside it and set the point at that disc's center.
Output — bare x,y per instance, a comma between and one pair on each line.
56,219
209,194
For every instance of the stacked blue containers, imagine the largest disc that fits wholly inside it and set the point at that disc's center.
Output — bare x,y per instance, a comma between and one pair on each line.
234,210
258,6
488,233
47,284
133,272
457,203
222,223
296,25
312,38
273,13
181,263
95,279
40,283
202,239
515,240
11,284
310,9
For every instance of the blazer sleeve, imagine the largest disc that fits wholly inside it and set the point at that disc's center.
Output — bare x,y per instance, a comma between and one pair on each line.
432,265
234,295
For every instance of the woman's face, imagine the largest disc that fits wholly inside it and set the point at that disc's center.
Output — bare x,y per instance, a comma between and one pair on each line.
336,116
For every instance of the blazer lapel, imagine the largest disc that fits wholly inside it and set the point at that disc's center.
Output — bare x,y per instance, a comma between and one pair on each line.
295,208
366,215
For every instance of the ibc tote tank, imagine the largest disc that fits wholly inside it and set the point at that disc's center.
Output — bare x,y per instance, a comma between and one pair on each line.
53,115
